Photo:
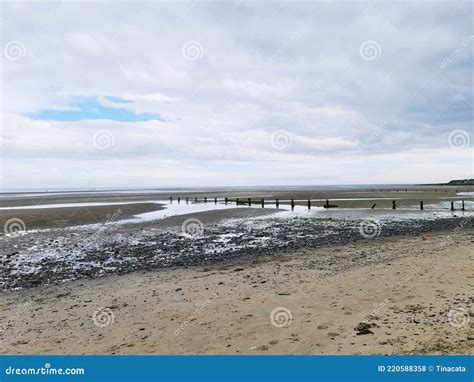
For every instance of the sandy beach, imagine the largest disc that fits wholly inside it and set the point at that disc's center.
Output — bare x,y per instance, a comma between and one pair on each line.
120,273
417,298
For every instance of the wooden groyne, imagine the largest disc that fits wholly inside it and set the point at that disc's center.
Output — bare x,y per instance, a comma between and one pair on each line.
309,203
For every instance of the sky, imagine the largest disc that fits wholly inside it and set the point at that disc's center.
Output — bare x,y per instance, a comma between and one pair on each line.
235,93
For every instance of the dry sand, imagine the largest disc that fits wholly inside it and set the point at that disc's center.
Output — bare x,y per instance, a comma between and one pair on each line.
419,303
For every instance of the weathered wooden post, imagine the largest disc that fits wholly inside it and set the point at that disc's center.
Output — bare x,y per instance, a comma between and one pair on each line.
277,203
215,200
196,199
187,200
237,201
327,203
263,203
462,205
394,205
373,206
452,206
179,199
171,199
292,204
250,201
205,199
225,200
421,205
309,204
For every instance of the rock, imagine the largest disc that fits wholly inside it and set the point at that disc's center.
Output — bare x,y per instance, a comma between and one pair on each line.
363,328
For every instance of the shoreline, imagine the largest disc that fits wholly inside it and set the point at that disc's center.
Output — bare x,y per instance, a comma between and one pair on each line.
405,297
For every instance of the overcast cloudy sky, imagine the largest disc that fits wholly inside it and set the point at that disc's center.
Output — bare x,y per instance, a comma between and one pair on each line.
96,94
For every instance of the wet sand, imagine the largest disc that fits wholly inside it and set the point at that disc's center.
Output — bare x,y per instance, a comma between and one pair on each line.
417,298
39,218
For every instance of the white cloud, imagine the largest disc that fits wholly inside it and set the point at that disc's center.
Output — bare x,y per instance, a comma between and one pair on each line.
264,67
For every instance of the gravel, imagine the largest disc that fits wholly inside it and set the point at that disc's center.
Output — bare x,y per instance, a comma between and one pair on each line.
55,256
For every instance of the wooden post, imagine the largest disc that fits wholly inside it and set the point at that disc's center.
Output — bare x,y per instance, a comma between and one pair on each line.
462,205
421,205
225,200
171,199
205,199
237,201
250,201
394,205
215,200
327,203
196,200
309,204
452,206
373,205
179,199
277,203
292,204
263,203
187,200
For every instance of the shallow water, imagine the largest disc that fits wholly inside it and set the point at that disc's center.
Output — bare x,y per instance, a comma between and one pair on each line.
175,209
